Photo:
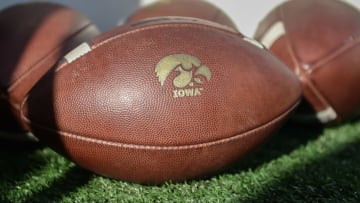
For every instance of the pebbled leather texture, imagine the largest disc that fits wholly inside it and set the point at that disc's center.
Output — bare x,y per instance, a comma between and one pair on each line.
321,44
112,115
185,8
34,36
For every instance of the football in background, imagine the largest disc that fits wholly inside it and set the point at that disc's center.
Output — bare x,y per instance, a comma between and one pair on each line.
319,41
185,8
162,100
34,36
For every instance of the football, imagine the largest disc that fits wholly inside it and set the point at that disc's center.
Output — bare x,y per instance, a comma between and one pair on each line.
319,41
185,8
34,36
166,99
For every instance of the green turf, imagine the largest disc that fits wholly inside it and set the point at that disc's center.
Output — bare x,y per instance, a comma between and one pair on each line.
298,165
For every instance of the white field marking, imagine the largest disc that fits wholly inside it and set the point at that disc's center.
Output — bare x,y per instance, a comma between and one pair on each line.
326,115
274,33
76,53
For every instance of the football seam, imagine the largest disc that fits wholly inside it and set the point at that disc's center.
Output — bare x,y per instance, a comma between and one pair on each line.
43,59
302,73
151,27
322,63
167,148
289,45
198,24
317,66
347,45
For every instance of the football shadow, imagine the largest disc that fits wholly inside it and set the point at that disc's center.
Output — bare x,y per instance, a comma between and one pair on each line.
334,174
18,159
332,177
74,178
288,138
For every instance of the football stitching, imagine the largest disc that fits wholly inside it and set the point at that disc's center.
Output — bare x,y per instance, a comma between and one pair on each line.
151,27
155,26
347,45
168,148
302,72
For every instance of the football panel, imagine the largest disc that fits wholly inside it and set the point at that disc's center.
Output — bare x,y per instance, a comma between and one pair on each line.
185,8
338,80
326,26
123,97
43,33
156,165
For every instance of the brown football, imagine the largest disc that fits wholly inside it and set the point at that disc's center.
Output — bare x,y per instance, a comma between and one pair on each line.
164,100
319,41
185,8
33,37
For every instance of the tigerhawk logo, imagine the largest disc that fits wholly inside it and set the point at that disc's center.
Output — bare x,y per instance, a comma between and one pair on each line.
191,72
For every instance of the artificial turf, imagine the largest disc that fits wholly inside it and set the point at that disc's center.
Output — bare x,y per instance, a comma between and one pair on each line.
299,164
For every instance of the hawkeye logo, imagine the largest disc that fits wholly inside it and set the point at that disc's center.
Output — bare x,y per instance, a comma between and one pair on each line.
191,74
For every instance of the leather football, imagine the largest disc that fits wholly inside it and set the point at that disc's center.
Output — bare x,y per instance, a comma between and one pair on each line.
170,99
34,36
185,8
319,41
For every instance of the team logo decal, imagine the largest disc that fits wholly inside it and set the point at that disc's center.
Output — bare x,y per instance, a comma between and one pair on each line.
191,74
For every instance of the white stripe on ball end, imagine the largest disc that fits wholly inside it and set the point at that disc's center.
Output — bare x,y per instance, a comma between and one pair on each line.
326,115
254,42
76,53
275,32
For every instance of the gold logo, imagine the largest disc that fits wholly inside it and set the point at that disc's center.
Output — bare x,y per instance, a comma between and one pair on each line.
191,74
